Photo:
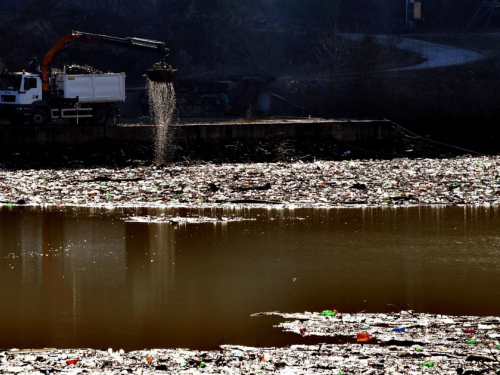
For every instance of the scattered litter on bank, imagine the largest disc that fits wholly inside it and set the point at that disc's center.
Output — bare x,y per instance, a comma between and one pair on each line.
429,343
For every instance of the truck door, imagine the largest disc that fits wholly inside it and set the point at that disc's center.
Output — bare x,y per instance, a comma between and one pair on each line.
31,90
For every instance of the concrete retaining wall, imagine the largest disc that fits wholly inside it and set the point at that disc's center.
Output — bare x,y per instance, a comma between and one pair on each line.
351,131
338,130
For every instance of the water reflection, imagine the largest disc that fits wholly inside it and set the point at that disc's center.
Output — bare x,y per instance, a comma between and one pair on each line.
75,277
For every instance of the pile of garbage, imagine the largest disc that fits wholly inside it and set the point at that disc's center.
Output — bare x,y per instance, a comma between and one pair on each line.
396,343
402,342
184,220
351,183
79,69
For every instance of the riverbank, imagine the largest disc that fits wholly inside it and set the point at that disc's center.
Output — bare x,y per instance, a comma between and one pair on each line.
461,180
397,343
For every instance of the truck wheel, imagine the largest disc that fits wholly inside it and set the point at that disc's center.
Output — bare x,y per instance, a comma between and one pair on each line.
38,117
100,116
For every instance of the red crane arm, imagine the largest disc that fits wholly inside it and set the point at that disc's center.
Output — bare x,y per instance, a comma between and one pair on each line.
136,43
49,56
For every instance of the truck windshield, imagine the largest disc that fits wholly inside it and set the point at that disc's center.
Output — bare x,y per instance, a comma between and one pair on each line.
10,82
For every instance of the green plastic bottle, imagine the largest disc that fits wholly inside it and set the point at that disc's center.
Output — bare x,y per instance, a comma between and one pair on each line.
328,313
426,364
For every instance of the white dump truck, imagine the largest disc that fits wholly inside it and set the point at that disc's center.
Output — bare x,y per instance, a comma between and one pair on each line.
79,98
38,96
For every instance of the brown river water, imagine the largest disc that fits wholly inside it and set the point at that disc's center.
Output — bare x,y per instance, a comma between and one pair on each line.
84,277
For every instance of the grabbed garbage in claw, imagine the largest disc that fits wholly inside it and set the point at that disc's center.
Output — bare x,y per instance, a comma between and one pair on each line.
161,72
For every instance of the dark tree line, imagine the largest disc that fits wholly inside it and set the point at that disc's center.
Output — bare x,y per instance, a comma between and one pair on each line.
351,15
218,36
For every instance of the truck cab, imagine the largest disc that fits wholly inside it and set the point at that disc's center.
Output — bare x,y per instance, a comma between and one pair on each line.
18,92
75,98
20,88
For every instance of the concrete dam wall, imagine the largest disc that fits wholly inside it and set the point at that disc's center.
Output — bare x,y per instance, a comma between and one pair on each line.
339,130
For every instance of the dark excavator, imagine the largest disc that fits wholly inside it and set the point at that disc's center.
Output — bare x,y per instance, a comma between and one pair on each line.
159,72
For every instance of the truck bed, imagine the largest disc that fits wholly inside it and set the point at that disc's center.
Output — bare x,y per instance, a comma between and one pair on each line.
92,88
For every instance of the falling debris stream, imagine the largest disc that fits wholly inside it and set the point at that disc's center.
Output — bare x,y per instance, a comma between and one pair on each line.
162,104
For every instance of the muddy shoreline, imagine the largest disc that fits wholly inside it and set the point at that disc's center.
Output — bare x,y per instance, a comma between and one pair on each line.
461,180
397,343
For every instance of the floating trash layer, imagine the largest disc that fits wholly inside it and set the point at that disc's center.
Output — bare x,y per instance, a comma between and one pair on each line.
360,183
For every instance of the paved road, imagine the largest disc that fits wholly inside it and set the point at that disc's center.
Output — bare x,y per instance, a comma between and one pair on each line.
435,55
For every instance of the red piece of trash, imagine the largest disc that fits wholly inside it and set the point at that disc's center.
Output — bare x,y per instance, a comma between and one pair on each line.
303,330
72,362
469,331
149,359
363,337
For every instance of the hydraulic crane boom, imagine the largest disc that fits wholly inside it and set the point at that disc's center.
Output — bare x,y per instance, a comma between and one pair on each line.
168,74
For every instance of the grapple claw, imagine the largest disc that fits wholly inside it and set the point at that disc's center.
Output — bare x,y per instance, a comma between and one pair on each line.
161,73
